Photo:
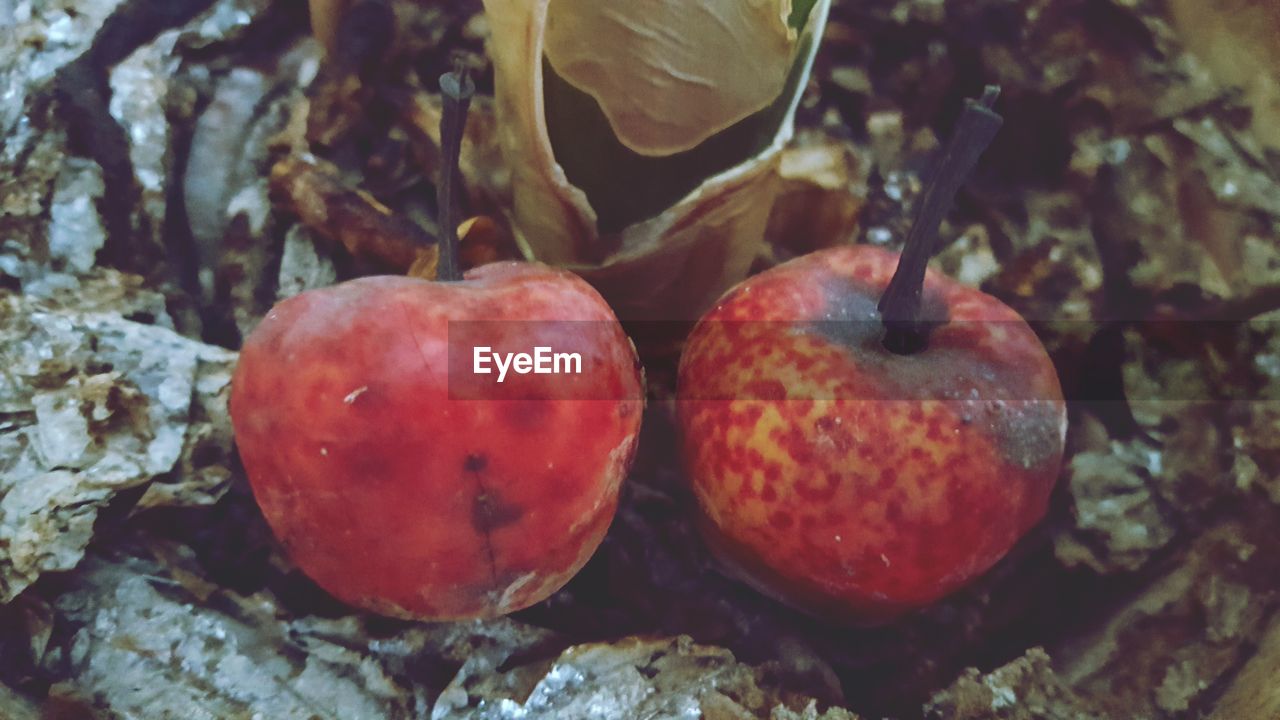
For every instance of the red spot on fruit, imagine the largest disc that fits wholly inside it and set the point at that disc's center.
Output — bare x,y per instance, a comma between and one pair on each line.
765,390
935,431
752,414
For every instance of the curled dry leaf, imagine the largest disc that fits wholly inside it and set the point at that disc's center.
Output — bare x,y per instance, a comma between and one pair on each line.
661,237
821,197
315,191
665,92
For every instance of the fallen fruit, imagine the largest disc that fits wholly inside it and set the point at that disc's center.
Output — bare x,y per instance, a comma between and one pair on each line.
402,482
851,480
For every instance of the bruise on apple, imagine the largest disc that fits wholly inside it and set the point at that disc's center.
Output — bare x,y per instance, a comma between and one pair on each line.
396,495
851,481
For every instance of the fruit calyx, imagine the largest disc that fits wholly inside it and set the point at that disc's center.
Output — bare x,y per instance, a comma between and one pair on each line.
456,90
906,330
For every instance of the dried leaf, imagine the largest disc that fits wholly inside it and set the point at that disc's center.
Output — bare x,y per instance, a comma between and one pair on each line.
669,266
671,74
1025,689
93,404
822,195
1118,523
143,646
631,678
314,190
625,187
1164,649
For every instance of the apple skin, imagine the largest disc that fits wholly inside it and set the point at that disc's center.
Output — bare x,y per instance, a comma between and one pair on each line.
845,480
399,497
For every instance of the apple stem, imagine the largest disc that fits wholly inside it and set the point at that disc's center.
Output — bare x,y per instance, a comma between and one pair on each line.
906,330
456,89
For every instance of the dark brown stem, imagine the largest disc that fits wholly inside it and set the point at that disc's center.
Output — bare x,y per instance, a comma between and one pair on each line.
906,330
456,88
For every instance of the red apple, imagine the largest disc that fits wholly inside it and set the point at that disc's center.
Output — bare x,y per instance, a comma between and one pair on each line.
851,481
404,483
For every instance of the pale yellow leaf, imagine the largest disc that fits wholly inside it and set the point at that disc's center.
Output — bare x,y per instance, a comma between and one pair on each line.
671,73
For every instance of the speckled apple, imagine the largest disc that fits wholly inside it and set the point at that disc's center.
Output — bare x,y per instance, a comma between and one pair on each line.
849,481
397,494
